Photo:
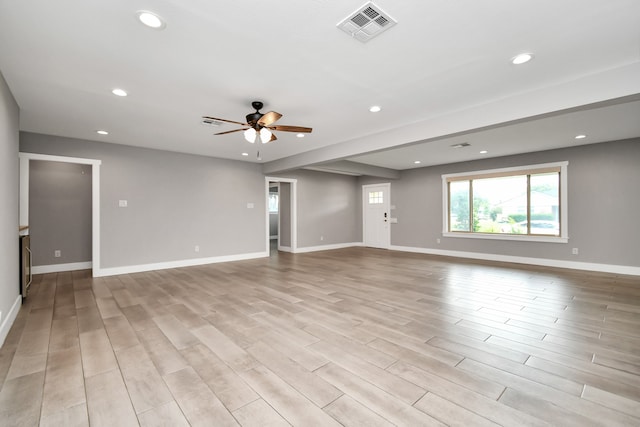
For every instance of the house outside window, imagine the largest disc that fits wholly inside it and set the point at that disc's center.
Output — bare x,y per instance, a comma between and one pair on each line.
273,202
524,203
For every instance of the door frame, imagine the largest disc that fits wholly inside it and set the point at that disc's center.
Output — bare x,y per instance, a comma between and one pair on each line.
292,207
25,158
386,202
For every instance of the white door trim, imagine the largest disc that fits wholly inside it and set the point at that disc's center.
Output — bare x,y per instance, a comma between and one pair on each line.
25,158
387,203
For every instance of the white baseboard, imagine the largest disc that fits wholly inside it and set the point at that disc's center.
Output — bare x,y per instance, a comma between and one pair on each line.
326,247
8,320
56,268
175,264
604,268
573,265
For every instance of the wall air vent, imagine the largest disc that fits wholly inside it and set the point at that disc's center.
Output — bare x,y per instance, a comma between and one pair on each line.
367,22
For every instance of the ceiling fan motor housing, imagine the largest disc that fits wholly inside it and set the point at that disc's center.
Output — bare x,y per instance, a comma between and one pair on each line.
253,118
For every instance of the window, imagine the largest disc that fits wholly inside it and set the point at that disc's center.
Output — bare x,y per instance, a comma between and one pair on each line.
273,202
375,197
526,203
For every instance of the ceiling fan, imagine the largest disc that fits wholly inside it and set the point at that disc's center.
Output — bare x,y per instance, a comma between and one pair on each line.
260,124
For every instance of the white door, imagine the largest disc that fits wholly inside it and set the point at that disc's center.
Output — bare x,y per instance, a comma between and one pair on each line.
376,215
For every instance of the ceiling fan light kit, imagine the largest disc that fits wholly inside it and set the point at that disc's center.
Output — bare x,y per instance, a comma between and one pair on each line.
259,124
250,135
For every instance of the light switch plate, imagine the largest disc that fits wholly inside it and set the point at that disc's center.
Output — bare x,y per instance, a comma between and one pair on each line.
122,203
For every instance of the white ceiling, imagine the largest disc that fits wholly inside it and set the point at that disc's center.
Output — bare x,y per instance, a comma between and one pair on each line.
442,75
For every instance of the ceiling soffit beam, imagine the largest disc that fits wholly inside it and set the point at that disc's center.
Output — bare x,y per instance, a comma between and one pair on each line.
356,169
584,91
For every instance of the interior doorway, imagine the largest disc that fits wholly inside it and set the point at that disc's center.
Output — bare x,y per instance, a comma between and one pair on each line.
274,216
25,163
281,215
59,216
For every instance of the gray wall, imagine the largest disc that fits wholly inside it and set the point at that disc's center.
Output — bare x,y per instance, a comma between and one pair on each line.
59,212
603,197
284,239
9,185
175,202
273,224
326,207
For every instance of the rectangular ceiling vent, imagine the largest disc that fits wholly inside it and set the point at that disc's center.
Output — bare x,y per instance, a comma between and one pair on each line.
211,122
461,145
367,22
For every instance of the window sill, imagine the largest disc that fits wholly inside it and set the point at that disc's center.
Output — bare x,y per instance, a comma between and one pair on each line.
512,237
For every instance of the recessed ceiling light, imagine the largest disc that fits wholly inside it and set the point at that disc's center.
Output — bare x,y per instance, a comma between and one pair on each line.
150,19
580,136
484,152
102,132
417,162
522,58
300,135
245,154
119,92
375,108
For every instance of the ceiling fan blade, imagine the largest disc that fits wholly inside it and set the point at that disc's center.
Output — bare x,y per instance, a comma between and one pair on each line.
285,128
230,131
225,120
273,138
269,118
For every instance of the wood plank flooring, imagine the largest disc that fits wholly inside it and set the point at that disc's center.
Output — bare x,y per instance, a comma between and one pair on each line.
348,337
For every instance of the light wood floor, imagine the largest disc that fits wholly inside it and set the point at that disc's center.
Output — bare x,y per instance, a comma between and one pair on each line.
346,337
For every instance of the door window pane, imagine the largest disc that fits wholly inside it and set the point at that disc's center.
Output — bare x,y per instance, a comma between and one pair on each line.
375,197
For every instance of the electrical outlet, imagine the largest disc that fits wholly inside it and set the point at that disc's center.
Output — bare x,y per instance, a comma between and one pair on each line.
574,251
321,237
57,253
438,241
197,248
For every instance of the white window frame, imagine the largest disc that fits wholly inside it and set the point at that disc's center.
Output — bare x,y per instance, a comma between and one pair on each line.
519,170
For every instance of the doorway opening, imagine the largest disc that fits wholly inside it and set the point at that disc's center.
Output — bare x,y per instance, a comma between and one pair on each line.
280,215
25,166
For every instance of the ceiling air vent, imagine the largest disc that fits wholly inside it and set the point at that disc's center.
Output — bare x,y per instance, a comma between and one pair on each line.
461,145
210,122
366,22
